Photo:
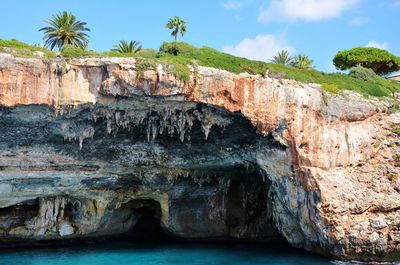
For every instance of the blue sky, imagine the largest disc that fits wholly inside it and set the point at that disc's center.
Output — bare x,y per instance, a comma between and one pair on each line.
255,29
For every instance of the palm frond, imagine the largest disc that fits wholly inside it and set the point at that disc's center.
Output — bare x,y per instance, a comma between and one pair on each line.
283,57
177,25
62,29
127,47
302,61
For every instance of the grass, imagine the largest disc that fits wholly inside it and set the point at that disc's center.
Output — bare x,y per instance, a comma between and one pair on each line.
69,51
24,50
206,56
177,56
333,83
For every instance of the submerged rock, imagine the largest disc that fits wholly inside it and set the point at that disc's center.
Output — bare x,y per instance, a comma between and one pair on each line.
91,147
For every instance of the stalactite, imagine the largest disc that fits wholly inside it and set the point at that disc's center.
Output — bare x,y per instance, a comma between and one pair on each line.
206,127
71,131
87,133
52,216
168,120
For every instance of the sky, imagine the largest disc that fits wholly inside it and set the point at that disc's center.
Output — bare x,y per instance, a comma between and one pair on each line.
255,29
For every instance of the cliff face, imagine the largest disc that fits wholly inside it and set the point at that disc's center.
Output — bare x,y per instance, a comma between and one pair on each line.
98,147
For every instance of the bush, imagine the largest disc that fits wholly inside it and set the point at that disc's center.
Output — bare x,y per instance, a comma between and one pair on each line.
70,51
209,57
169,48
180,71
364,82
363,73
147,53
23,49
185,53
380,61
330,88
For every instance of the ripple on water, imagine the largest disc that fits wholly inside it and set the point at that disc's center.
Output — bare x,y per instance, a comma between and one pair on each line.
193,254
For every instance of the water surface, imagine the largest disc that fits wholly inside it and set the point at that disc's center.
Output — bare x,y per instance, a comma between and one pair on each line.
176,254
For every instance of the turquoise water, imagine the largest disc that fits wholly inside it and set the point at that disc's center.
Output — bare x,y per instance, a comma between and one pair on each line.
159,255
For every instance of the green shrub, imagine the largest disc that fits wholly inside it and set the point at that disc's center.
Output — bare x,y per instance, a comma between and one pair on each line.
23,49
147,53
330,88
69,51
117,54
363,73
380,61
169,48
143,65
180,71
205,56
333,83
176,65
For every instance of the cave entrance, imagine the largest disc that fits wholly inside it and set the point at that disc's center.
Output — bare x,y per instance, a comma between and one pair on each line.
230,203
147,227
145,219
248,206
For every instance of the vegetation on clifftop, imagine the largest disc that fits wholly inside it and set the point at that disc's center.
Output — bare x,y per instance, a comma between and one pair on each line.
65,32
127,47
22,49
380,61
177,56
185,53
64,29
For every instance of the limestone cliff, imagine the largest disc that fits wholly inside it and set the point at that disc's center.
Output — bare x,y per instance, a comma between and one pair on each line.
99,146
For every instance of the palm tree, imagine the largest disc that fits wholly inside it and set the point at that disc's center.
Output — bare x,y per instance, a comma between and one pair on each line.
65,29
177,25
127,47
282,57
302,61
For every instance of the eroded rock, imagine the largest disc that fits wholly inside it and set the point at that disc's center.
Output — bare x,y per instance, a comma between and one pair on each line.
90,146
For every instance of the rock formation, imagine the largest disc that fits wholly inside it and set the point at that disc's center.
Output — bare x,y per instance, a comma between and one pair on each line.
98,146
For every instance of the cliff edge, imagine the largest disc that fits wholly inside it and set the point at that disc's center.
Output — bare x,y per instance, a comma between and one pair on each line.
100,146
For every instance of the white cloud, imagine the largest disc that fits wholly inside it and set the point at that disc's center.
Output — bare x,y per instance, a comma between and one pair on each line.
232,5
308,10
359,21
379,45
262,48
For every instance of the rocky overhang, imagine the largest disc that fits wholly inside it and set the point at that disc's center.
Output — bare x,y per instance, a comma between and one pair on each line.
98,147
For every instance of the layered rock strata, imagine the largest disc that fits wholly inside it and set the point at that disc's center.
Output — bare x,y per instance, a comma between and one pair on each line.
92,147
